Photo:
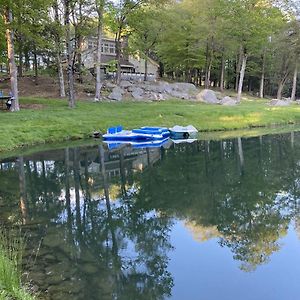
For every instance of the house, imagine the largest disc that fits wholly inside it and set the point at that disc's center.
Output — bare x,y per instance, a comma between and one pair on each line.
132,66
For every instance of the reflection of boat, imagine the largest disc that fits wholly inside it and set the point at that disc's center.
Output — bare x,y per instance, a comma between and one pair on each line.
141,134
137,144
179,132
179,141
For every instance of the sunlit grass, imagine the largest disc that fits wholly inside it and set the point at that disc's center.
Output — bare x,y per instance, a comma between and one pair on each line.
11,249
56,122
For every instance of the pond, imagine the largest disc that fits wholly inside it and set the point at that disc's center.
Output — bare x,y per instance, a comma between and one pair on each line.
201,220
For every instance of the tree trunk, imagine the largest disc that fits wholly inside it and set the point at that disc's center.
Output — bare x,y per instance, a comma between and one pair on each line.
208,65
99,8
146,68
242,74
35,66
280,88
207,75
61,81
70,60
79,39
20,39
11,58
27,60
238,68
222,73
262,78
293,96
20,70
281,85
118,58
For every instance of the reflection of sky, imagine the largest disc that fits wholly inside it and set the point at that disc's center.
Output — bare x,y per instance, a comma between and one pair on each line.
208,271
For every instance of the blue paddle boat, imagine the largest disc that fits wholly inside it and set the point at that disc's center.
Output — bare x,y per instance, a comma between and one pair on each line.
137,144
142,134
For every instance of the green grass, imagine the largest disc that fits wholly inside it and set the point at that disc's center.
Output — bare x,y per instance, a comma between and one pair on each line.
56,122
11,249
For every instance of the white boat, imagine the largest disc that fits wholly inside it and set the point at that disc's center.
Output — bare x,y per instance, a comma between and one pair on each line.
183,141
179,132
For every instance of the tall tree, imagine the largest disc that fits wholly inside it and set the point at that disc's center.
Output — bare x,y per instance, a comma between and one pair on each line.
119,12
8,17
58,48
99,5
70,54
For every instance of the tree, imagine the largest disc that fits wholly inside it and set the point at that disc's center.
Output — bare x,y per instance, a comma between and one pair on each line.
58,50
70,54
8,17
119,12
146,29
99,6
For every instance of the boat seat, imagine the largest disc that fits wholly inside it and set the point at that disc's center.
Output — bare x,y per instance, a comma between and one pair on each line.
111,130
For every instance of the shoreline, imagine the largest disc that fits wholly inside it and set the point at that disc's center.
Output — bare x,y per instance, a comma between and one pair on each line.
54,123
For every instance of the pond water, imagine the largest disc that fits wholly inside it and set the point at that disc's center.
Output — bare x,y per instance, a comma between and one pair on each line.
205,220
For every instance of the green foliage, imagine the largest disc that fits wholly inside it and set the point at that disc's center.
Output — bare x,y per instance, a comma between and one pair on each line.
11,249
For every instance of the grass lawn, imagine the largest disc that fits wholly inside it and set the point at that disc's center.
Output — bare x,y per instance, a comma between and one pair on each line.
56,122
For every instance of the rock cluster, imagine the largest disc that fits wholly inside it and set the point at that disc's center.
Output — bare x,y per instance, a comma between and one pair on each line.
152,91
211,97
159,91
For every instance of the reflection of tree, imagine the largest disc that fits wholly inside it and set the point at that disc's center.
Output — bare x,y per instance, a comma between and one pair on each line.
103,244
23,194
239,196
97,247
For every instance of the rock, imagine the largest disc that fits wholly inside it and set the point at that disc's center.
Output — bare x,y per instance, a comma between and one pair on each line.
116,94
125,84
179,95
137,93
109,85
155,88
208,96
276,102
183,86
228,101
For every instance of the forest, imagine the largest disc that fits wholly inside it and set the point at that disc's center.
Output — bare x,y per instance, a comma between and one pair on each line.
244,45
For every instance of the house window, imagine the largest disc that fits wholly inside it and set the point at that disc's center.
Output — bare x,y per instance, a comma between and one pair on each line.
112,49
106,48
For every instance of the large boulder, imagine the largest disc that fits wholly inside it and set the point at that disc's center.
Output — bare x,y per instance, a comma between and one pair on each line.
228,101
125,84
276,102
109,85
116,94
137,93
155,88
179,95
183,87
208,96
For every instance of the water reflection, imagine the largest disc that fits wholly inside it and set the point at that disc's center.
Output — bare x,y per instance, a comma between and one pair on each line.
99,222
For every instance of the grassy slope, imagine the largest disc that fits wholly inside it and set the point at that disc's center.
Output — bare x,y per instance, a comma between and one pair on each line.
55,122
